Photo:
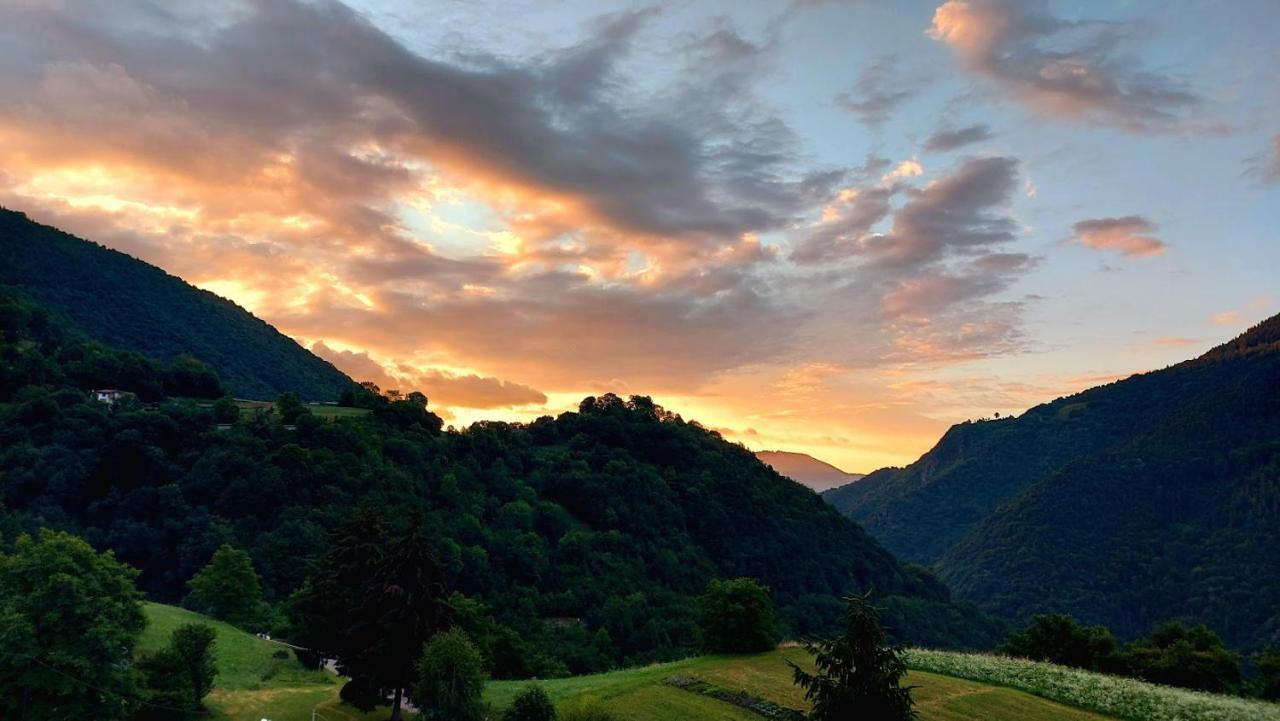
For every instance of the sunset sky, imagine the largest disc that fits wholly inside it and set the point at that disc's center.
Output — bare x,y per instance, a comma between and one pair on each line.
821,226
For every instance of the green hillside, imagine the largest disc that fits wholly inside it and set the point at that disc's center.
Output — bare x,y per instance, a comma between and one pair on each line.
130,305
642,695
1144,500
253,684
582,541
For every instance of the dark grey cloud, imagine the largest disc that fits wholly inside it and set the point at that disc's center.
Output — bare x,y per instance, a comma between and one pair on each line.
316,80
963,213
1083,69
878,92
1265,166
944,140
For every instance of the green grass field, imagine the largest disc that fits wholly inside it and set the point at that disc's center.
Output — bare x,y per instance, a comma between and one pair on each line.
639,694
254,684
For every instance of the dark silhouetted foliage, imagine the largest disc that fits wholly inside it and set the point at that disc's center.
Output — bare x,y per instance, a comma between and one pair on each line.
531,704
128,304
736,616
858,674
1059,638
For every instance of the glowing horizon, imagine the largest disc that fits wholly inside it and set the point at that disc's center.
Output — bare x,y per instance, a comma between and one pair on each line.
829,227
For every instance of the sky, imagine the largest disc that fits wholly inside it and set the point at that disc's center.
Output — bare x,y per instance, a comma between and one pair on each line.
832,227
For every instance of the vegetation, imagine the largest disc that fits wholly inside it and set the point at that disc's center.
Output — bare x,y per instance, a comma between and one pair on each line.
1125,505
177,678
1117,696
127,304
572,544
1059,638
531,704
736,617
228,588
644,694
376,598
450,679
68,621
1191,657
858,673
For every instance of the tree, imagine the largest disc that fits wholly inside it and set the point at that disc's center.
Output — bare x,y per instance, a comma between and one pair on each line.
450,679
290,407
736,617
859,674
225,410
531,704
69,618
1192,657
166,688
1268,663
193,644
375,599
1061,639
228,587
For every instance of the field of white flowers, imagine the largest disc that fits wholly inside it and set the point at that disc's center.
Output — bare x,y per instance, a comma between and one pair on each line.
1123,698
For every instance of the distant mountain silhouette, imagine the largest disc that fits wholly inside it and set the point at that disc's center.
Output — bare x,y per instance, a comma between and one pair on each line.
1151,498
126,303
805,469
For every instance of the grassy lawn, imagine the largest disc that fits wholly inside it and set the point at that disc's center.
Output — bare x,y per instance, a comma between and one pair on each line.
253,684
638,694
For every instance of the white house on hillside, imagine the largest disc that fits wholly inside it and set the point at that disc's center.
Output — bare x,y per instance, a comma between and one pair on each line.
108,395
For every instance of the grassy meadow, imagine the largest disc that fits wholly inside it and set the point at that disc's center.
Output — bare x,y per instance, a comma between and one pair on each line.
255,683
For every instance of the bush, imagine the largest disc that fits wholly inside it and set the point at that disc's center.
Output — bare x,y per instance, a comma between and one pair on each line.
1059,638
361,695
736,617
1191,657
450,679
531,704
228,588
1268,663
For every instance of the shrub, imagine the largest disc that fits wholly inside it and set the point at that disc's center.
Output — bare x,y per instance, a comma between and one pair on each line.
736,617
1061,639
1192,657
531,704
450,679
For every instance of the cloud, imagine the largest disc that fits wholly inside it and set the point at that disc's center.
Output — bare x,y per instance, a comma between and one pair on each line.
943,140
1129,235
1081,70
441,387
878,92
1265,166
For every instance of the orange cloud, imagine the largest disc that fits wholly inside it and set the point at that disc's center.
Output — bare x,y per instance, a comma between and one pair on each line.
1129,235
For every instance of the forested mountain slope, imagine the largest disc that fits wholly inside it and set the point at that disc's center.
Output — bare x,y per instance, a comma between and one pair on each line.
586,537
131,305
1151,498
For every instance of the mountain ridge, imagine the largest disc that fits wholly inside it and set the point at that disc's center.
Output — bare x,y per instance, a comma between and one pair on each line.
1127,504
130,304
807,470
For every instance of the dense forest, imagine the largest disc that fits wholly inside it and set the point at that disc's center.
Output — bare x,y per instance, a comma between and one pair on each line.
582,540
1152,498
128,304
